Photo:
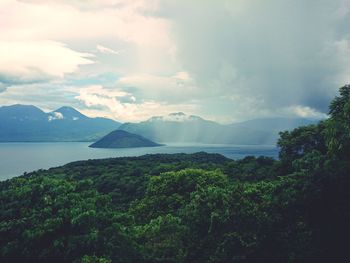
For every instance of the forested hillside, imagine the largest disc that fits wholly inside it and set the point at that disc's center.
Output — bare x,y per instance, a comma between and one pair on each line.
190,208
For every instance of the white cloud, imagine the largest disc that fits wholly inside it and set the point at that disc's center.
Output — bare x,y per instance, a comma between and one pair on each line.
123,24
141,5
47,96
110,104
31,61
305,112
179,117
103,92
55,116
107,50
178,86
59,20
161,83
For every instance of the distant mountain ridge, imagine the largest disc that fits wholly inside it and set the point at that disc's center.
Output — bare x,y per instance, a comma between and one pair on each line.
27,123
66,113
182,128
123,139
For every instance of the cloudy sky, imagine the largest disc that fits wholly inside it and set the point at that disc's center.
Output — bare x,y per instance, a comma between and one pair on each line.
226,60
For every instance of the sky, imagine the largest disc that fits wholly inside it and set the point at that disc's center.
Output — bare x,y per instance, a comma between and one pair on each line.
129,60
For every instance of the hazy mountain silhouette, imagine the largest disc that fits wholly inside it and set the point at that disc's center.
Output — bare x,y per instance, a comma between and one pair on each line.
123,139
181,128
28,123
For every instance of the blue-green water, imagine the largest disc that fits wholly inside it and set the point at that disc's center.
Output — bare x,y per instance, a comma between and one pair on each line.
17,158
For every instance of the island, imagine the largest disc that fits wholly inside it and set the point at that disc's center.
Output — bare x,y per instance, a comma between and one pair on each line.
123,139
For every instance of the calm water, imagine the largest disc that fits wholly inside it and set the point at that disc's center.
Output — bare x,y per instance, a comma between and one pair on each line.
17,158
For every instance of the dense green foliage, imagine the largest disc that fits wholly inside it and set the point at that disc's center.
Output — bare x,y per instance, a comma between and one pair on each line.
190,208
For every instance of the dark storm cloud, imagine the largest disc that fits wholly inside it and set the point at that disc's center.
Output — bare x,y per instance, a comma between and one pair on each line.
281,53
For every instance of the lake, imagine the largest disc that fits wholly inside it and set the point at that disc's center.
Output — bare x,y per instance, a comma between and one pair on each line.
17,158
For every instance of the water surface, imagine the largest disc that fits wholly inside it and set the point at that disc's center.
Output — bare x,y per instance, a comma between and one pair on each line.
17,158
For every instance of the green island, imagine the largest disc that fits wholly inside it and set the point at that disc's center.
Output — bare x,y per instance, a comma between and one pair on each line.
123,139
190,207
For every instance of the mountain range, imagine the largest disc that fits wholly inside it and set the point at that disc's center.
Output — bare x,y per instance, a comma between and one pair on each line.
182,128
27,123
